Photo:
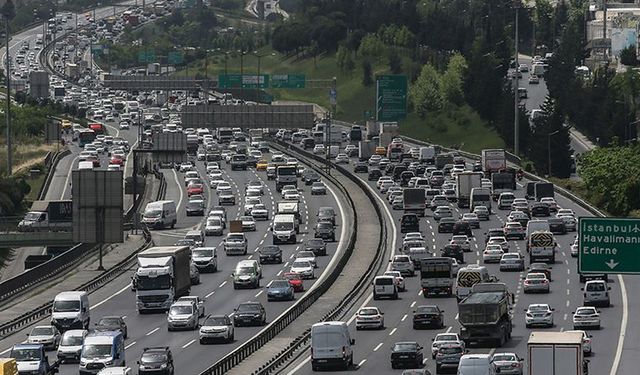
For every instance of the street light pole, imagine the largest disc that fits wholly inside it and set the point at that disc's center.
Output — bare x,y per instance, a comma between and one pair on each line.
516,109
549,149
241,74
8,11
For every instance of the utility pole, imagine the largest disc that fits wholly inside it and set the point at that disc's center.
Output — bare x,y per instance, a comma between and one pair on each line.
241,74
516,112
8,11
604,27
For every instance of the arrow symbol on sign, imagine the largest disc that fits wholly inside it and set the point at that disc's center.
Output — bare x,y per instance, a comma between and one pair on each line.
611,263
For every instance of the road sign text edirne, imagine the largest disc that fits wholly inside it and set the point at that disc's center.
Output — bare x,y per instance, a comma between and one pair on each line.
609,245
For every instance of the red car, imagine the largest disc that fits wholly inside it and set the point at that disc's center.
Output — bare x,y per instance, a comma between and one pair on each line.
195,189
295,280
115,160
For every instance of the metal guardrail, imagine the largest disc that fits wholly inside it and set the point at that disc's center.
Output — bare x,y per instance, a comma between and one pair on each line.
10,327
232,359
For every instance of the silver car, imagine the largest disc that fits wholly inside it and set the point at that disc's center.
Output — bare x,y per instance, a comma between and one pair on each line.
182,315
512,262
536,282
539,314
318,188
217,327
47,336
402,264
507,364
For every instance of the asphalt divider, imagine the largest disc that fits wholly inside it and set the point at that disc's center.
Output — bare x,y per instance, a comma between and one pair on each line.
227,363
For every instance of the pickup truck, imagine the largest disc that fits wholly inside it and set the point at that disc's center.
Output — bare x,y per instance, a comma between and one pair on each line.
32,359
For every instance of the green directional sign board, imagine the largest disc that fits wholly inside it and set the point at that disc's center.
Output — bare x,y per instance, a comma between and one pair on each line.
391,97
247,81
287,81
146,56
175,58
609,245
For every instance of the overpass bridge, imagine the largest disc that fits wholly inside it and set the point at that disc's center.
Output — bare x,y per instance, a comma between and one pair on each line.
22,239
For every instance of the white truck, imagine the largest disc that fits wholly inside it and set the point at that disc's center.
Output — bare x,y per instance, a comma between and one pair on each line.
373,129
414,201
333,135
46,216
466,181
366,149
493,160
163,275
541,245
556,353
436,276
427,155
388,131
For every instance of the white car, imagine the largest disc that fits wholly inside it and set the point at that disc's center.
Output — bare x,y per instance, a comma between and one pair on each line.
492,254
413,236
539,314
199,302
309,256
462,241
383,179
248,223
292,195
318,149
553,206
260,212
124,125
223,186
385,185
575,248
444,338
499,240
216,327
342,159
586,317
214,226
304,268
398,278
369,317
402,264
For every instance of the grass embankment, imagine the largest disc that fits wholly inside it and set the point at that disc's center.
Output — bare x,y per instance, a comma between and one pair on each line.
453,127
25,158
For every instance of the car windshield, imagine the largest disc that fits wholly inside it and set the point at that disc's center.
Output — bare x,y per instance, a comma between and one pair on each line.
305,254
66,306
405,347
451,350
315,243
301,264
42,331
153,358
585,312
235,238
216,321
24,355
248,308
269,249
280,284
447,338
537,308
322,225
427,309
95,350
504,357
109,322
245,271
368,312
71,340
203,253
283,226
179,310
401,260
596,287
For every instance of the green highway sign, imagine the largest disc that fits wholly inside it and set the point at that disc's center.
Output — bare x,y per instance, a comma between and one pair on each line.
609,245
146,56
175,58
287,81
246,81
391,97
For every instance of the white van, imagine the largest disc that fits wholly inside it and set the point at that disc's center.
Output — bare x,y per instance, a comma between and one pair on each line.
284,229
474,364
331,345
205,258
160,214
70,311
196,235
537,225
427,154
102,349
384,286
247,274
71,345
334,151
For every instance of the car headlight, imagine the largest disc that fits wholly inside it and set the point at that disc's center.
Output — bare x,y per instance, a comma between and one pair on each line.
163,366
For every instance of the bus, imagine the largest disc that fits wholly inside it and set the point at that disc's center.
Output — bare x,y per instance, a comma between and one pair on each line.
86,136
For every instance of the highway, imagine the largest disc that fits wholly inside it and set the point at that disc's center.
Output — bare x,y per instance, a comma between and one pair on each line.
217,288
372,349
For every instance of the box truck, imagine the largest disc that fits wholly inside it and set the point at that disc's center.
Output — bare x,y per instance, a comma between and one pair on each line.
163,275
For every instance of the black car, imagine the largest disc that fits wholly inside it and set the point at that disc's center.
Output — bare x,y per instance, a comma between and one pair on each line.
541,268
374,174
462,227
310,177
325,230
249,313
360,167
556,225
326,214
409,223
453,251
405,177
264,147
157,361
112,323
398,170
477,166
406,354
308,143
195,208
446,224
270,254
317,246
540,210
428,315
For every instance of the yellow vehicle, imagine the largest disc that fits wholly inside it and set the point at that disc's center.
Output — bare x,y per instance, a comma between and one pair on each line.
8,366
381,151
66,124
261,165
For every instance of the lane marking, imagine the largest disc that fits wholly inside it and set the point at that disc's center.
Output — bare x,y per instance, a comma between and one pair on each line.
152,331
130,345
210,294
377,347
393,331
623,327
403,318
175,177
223,284
259,293
189,343
359,364
110,297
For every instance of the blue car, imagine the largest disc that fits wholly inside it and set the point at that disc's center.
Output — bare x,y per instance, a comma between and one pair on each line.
280,290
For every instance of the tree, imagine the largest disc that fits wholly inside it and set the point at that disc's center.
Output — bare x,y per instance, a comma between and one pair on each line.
395,62
367,73
341,56
628,56
371,47
425,93
452,82
550,129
